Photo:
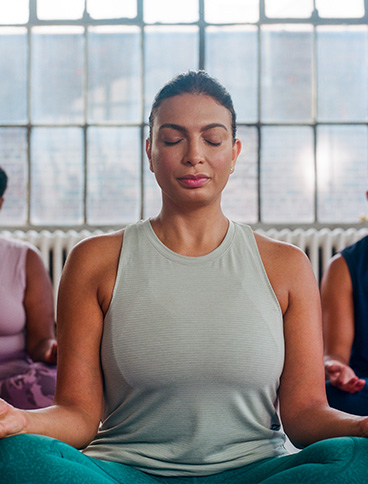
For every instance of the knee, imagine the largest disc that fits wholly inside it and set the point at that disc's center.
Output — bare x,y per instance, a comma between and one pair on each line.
339,450
22,447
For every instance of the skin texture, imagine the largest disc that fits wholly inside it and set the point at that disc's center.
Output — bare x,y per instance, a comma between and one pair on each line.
191,136
338,325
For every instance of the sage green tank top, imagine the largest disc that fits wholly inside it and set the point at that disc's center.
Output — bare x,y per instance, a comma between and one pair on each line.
192,353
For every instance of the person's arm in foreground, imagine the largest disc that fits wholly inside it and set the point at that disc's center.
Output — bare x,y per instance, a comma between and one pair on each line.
85,287
338,325
304,410
39,307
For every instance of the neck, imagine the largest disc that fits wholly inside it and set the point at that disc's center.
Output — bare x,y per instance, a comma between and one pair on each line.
191,234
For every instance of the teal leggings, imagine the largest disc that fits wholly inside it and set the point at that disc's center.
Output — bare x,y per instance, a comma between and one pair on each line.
33,459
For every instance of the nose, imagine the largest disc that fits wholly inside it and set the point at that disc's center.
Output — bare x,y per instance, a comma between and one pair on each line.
193,155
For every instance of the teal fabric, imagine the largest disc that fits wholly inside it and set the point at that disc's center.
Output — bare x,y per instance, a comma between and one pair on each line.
33,459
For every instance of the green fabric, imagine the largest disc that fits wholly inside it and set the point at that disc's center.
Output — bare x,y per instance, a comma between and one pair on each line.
32,459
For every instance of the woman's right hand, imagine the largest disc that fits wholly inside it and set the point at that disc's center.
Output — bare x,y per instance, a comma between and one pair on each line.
343,377
12,420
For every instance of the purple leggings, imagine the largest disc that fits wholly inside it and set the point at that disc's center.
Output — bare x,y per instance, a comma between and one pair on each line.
32,386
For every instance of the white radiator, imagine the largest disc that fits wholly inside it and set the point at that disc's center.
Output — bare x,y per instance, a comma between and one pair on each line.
319,244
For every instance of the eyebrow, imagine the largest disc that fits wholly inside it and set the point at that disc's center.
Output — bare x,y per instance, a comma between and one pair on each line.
177,127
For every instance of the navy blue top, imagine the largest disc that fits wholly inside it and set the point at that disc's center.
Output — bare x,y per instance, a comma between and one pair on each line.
356,257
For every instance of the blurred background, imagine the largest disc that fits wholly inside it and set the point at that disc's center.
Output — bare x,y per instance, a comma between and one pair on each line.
77,78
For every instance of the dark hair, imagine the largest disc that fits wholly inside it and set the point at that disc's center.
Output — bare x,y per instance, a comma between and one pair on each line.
3,181
194,82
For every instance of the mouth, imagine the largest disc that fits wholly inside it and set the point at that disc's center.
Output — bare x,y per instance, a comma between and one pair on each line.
193,181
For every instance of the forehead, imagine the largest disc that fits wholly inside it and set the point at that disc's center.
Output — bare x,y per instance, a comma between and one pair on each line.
192,110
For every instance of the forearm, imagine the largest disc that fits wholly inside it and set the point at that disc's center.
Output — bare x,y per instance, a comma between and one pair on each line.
322,422
68,424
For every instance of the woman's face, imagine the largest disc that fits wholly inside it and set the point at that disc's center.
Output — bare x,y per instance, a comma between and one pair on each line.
192,152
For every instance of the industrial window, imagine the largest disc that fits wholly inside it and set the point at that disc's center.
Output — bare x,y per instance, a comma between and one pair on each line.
77,78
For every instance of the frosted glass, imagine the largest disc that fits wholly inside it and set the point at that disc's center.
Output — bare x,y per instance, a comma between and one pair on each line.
287,174
342,80
57,176
112,9
240,197
168,11
114,185
57,75
289,8
13,75
114,74
342,173
231,11
55,9
232,57
286,80
169,52
13,156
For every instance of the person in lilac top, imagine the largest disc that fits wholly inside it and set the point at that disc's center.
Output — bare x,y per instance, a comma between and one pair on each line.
27,340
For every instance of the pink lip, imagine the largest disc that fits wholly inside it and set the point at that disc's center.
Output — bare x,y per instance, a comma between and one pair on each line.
193,181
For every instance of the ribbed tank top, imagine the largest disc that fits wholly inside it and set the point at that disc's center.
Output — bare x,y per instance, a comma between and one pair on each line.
192,352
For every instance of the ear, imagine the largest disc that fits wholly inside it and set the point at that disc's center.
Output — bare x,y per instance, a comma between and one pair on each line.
149,153
366,194
1,202
237,146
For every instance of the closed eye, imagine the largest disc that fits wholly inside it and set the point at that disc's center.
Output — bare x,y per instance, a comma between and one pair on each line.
212,143
172,143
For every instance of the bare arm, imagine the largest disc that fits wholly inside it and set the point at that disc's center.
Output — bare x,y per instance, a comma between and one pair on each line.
304,410
338,325
84,295
39,307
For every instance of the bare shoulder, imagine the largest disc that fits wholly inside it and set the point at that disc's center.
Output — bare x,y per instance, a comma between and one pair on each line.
287,266
97,250
337,267
274,252
91,268
34,259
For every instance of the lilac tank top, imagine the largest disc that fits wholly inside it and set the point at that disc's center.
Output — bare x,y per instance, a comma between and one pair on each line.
13,255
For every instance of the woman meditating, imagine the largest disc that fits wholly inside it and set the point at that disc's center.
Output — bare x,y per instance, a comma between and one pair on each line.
179,336
27,338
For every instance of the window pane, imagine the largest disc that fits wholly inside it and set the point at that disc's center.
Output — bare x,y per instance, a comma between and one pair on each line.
342,173
340,8
112,9
289,8
231,11
13,156
114,184
170,12
342,79
286,79
287,175
13,75
54,9
169,51
57,176
114,74
57,75
240,198
14,12
231,56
